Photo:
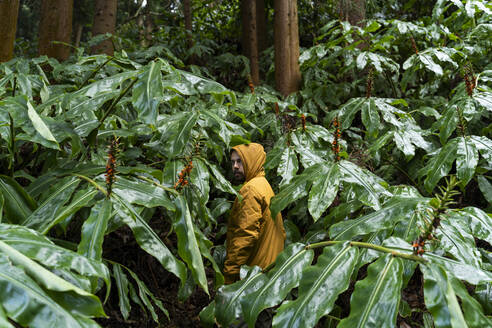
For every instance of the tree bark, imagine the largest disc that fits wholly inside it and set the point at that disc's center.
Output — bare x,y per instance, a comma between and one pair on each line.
78,34
188,22
104,22
250,39
286,43
55,25
353,11
9,10
295,70
261,26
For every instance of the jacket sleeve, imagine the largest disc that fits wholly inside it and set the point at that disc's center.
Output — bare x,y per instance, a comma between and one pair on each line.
247,222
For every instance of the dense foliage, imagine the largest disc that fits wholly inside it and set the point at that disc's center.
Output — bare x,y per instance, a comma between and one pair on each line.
381,163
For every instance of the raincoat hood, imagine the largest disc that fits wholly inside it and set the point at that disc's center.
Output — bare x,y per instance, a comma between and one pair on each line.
253,157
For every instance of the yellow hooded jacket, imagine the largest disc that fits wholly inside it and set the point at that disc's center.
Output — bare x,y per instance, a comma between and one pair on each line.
253,238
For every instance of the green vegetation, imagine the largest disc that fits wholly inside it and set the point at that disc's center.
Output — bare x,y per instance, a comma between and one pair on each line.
381,164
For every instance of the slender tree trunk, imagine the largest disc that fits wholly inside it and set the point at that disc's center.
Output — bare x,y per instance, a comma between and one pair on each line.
286,35
188,22
245,28
78,34
104,22
353,11
295,70
149,28
55,25
8,27
251,40
261,27
187,13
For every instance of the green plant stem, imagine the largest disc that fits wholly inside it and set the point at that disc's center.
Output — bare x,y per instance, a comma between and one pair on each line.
93,73
332,317
12,146
94,183
370,246
113,104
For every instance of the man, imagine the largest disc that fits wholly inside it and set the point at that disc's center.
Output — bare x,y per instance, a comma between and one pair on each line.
253,237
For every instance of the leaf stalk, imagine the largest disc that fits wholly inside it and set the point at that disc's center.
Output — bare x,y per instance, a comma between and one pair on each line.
369,246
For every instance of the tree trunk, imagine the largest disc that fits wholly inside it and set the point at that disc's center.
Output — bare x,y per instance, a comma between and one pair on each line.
8,26
149,28
78,34
261,27
353,11
104,22
55,25
188,22
295,70
250,38
286,35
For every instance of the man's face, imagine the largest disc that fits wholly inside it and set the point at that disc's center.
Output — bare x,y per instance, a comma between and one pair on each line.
237,168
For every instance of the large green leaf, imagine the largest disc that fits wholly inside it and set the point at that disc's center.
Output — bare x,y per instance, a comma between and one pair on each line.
485,187
458,242
305,145
277,282
67,295
148,239
122,284
472,310
38,247
460,270
466,159
39,124
274,156
440,164
395,210
29,305
324,190
205,245
348,111
141,192
221,182
3,319
200,177
484,145
288,165
180,137
79,200
18,204
147,93
93,230
371,184
220,126
370,117
294,190
440,298
375,300
474,220
319,287
187,244
227,300
43,215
